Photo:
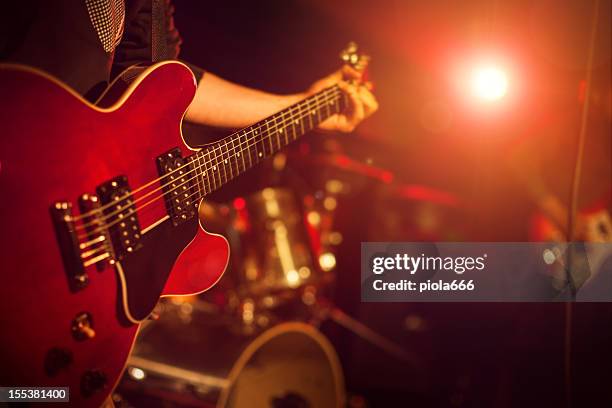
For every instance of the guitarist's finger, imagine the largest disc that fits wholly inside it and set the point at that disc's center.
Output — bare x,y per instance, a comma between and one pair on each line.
369,100
356,112
350,73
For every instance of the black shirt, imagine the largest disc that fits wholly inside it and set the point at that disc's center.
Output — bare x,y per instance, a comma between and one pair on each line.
59,38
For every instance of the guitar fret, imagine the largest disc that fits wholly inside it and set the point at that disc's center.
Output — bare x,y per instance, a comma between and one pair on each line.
199,176
283,127
268,135
323,108
314,111
199,183
233,158
225,160
277,129
300,120
205,174
209,176
318,107
266,145
189,170
245,147
305,113
221,165
215,166
326,105
237,156
293,124
309,114
259,152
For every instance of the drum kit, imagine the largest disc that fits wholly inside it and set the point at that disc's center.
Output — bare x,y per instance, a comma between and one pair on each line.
254,339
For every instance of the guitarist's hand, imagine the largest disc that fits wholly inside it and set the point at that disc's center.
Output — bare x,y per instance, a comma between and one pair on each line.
362,103
221,103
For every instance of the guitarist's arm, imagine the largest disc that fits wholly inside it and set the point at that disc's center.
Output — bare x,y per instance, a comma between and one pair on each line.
222,103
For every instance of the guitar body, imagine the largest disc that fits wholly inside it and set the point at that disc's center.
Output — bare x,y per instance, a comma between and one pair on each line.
55,147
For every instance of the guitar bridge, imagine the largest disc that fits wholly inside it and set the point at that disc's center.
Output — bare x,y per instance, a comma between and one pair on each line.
61,216
97,235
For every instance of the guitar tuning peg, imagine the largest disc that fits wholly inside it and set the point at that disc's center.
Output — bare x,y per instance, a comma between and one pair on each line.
351,57
349,54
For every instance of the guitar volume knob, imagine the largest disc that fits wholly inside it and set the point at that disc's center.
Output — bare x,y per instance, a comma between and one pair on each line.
93,381
56,360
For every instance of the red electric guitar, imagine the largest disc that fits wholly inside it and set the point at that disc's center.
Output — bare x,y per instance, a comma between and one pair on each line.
99,216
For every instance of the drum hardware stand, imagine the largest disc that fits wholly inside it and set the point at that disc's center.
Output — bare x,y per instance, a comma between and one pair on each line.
324,309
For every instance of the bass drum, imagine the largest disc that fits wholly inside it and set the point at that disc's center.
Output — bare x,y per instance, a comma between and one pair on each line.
179,363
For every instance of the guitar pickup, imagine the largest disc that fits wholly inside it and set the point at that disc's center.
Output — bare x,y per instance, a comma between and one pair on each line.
179,184
119,215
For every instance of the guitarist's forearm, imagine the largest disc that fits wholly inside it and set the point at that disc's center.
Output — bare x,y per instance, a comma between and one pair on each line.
222,103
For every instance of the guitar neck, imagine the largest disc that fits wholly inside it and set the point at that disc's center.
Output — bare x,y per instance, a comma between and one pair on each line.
221,162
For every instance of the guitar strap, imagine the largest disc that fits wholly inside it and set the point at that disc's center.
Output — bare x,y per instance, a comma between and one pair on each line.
108,19
158,30
158,52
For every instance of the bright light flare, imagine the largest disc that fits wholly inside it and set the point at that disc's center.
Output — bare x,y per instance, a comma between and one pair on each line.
137,373
489,83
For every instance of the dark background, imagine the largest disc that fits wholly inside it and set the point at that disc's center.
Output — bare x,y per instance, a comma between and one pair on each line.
430,132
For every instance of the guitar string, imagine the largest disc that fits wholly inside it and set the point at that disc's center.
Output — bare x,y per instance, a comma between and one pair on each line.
217,145
283,113
271,130
106,226
198,167
231,151
95,252
104,248
204,165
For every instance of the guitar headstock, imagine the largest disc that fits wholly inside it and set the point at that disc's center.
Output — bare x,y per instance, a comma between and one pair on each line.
351,56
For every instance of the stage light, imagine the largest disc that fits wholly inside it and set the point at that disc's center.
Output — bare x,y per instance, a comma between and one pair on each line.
489,83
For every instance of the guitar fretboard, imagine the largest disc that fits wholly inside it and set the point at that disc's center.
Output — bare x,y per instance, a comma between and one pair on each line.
221,162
